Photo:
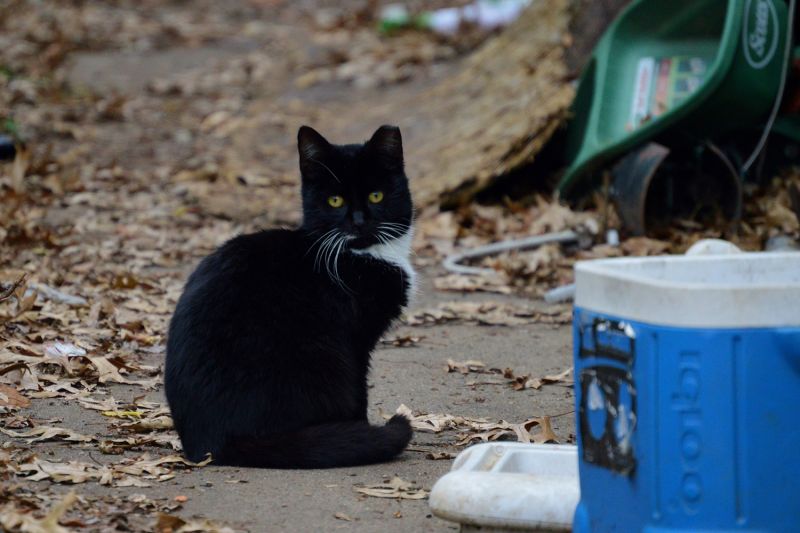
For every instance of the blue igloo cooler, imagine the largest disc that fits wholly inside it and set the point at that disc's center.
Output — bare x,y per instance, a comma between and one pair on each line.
688,393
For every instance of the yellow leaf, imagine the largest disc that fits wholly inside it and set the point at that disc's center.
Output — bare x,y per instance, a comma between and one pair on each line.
123,414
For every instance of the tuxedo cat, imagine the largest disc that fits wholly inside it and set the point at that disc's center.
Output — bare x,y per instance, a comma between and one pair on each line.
269,347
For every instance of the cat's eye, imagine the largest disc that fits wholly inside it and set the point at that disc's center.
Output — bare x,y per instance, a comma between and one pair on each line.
335,201
376,197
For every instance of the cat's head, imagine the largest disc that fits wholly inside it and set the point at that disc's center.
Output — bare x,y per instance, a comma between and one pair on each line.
358,192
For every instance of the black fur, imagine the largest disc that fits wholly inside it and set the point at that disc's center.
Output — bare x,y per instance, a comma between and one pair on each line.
269,346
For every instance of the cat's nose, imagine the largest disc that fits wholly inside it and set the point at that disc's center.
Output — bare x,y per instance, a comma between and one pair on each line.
358,218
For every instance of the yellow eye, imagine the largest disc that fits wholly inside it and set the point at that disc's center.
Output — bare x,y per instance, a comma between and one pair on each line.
376,197
336,201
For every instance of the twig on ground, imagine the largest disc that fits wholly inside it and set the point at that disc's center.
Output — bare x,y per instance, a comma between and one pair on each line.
7,293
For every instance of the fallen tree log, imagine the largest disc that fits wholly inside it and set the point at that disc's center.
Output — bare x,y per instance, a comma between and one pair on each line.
495,113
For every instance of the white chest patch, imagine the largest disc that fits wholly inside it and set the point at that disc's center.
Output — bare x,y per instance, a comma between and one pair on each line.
398,253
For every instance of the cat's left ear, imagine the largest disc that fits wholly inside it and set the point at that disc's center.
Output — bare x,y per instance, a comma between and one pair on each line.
312,148
387,143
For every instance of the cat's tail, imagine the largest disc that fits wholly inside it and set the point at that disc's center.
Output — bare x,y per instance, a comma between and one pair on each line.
324,446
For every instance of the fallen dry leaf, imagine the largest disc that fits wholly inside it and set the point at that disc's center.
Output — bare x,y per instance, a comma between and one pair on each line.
438,456
640,246
167,523
10,397
149,424
554,216
465,367
434,422
7,291
108,372
546,435
70,472
108,404
402,341
527,382
463,283
44,433
342,516
123,414
393,488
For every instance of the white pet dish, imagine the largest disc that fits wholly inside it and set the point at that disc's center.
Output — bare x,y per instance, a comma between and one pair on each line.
510,487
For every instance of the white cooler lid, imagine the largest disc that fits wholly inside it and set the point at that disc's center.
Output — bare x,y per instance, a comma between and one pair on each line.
748,290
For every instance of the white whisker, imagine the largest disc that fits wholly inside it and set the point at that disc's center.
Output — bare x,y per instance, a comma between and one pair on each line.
392,233
326,168
319,239
322,250
393,225
335,260
329,252
339,245
316,255
393,229
337,250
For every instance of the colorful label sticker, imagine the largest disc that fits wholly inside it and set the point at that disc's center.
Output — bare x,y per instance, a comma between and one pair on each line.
607,413
662,84
641,90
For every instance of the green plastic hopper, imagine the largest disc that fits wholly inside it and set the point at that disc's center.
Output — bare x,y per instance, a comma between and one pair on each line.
675,70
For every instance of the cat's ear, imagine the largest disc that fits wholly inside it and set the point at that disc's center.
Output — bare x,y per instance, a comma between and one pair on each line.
312,148
387,143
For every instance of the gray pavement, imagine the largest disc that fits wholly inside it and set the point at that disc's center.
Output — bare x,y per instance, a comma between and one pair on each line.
273,500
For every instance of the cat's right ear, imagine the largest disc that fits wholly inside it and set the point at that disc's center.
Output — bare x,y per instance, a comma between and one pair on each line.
312,148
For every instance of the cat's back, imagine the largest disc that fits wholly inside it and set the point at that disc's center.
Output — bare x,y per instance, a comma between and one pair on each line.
252,259
245,274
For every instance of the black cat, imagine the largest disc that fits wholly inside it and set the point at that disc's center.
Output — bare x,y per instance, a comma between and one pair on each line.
269,347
